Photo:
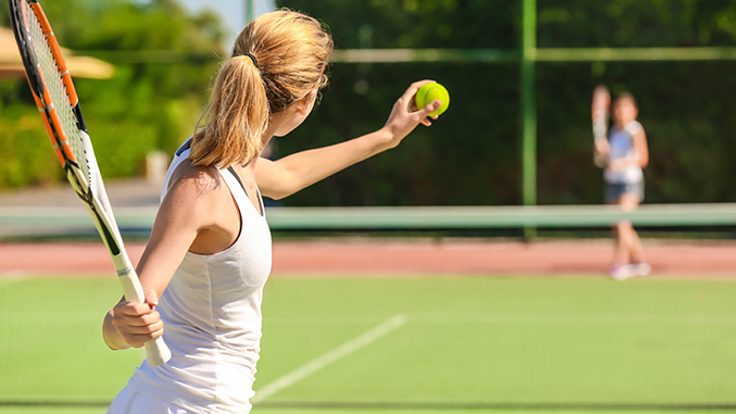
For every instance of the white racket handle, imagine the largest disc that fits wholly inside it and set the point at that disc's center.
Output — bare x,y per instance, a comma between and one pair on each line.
156,351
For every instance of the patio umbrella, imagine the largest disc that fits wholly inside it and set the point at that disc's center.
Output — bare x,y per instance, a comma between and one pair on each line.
11,65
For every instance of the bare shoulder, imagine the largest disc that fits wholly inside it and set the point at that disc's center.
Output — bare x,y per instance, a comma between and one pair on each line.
194,190
634,128
639,134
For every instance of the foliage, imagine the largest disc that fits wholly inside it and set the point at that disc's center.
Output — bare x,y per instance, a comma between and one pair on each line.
472,154
20,141
164,59
415,23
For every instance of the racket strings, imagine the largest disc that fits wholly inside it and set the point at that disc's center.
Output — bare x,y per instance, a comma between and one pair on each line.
53,80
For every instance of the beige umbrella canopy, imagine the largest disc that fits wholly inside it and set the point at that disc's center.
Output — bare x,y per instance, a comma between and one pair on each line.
11,65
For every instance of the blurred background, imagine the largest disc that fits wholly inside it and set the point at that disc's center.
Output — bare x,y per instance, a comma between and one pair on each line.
165,53
514,150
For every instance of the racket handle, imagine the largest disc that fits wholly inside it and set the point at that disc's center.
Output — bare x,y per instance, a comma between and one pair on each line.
157,352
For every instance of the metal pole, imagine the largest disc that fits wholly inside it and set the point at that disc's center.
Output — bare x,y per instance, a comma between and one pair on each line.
528,107
249,11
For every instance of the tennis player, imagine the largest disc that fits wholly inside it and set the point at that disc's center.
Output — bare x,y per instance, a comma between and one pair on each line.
209,253
626,154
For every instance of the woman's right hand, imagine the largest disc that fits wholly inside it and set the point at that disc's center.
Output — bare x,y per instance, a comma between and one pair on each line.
404,116
137,323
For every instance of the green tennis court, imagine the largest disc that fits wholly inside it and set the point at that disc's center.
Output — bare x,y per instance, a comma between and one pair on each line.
411,345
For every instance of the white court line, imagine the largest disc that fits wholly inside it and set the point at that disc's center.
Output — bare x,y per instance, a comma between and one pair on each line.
580,318
340,352
529,319
11,278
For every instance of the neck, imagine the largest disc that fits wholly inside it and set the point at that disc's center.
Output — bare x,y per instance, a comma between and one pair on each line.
265,139
273,126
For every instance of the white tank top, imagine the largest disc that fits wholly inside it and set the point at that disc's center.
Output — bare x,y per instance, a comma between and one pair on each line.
212,315
621,142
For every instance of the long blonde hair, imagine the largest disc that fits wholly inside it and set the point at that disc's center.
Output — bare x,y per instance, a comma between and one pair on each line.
278,58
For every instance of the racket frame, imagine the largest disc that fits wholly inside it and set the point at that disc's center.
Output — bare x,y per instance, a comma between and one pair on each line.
600,114
90,190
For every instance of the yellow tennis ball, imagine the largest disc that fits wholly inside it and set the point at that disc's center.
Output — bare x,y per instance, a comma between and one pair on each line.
430,92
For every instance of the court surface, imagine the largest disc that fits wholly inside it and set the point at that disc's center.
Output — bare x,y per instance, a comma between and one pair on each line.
394,257
431,344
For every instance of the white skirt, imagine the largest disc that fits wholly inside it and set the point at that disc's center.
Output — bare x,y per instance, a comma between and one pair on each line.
130,401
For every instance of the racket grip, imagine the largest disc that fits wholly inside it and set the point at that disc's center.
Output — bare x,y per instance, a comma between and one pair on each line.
157,352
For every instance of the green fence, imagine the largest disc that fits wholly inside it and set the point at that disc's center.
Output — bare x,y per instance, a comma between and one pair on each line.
29,222
528,55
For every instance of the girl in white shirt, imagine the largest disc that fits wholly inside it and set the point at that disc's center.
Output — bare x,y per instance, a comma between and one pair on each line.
209,253
626,154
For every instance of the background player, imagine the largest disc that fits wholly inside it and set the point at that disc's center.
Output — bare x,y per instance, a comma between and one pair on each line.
626,154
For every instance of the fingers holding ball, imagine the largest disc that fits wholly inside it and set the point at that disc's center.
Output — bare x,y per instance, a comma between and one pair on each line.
430,92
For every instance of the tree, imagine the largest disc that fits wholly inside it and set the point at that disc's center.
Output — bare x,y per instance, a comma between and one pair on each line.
164,59
471,155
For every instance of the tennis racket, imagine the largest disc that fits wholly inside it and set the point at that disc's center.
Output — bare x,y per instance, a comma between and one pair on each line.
57,101
600,110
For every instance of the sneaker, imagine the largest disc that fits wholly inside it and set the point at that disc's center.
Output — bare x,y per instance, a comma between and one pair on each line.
622,272
641,269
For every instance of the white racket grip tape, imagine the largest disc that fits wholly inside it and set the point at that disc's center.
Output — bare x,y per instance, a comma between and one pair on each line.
156,351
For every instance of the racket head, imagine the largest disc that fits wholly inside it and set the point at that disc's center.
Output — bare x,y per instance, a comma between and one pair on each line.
600,113
601,103
53,91
58,104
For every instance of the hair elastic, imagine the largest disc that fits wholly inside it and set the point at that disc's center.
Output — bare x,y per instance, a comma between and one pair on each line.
252,57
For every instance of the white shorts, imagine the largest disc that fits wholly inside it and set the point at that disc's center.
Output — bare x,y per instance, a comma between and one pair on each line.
130,401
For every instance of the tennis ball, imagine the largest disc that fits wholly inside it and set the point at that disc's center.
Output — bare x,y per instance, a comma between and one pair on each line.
430,92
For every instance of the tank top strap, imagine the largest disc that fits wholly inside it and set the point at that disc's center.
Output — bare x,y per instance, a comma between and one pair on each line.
181,154
261,210
237,189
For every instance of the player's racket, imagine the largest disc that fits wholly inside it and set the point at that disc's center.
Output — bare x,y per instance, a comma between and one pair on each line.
600,110
56,98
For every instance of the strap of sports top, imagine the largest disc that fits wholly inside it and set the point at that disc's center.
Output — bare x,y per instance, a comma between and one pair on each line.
237,177
185,146
260,198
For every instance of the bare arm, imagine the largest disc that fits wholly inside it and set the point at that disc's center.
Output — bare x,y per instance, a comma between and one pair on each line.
288,175
182,215
642,148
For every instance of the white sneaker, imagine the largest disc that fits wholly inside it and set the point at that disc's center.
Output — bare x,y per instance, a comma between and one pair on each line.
622,272
641,269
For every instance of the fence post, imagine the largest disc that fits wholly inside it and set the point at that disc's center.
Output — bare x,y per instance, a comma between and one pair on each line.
528,107
250,13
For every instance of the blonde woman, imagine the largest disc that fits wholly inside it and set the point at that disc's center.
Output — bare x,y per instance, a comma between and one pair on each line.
625,155
209,253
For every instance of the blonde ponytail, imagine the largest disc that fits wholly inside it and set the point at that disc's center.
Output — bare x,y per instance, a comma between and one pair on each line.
278,59
236,119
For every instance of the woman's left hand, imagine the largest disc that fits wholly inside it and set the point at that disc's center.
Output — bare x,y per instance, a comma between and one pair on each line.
405,116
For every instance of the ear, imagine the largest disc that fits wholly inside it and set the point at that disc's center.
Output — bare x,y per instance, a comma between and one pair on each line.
304,106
